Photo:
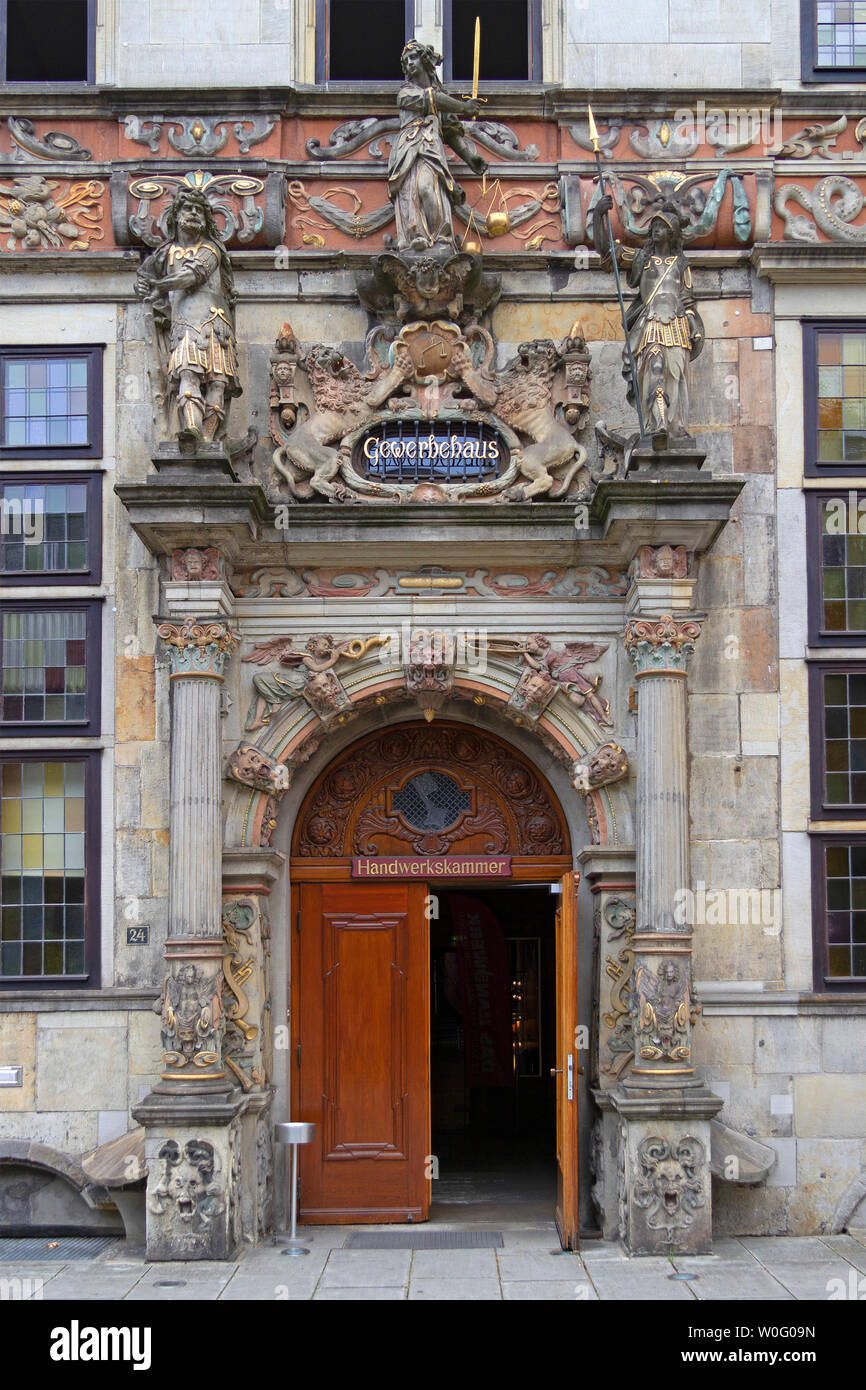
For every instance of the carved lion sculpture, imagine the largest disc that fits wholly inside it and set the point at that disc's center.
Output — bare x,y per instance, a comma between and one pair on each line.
525,403
312,459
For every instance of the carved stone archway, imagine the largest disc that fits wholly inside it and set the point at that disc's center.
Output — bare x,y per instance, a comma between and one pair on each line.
489,798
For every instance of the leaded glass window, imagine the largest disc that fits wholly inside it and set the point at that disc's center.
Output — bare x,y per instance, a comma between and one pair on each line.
43,847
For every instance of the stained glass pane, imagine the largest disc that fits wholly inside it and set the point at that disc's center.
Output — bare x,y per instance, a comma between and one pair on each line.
45,401
42,883
43,654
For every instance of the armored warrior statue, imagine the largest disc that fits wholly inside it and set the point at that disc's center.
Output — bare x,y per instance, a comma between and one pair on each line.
188,281
664,327
420,183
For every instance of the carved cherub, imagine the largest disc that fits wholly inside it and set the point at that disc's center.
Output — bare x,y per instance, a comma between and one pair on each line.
309,672
564,666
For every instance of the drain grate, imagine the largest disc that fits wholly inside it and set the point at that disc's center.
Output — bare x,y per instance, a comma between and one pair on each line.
424,1240
39,1249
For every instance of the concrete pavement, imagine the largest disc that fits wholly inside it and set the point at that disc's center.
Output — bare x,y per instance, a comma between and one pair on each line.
529,1266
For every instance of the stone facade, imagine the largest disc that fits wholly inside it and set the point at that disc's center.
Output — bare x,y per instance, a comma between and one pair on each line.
677,577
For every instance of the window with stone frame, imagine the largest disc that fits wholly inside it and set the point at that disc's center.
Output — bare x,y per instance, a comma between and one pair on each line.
50,403
50,668
838,718
836,569
49,869
834,357
839,912
50,529
833,40
48,41
361,40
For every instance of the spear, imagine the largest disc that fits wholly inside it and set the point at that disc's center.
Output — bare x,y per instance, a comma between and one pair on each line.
593,135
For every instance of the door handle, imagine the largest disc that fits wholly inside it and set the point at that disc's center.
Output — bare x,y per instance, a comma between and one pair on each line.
556,1071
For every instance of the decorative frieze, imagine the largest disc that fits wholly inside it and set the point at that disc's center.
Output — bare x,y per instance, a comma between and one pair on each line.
56,214
199,136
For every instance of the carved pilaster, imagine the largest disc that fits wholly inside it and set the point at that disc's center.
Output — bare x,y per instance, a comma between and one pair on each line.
663,1109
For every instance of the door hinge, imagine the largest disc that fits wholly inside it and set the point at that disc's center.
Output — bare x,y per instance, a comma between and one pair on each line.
299,1054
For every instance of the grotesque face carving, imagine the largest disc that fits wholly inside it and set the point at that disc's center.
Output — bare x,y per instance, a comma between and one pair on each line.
668,1186
605,764
187,1183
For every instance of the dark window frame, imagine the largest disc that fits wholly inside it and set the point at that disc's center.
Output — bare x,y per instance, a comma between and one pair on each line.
534,44
92,576
86,728
823,983
809,69
323,43
811,467
91,978
94,449
74,84
820,811
818,636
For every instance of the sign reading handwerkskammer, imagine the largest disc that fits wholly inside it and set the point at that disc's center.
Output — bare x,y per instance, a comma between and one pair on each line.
433,866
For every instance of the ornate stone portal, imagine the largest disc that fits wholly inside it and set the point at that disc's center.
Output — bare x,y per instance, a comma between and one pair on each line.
424,417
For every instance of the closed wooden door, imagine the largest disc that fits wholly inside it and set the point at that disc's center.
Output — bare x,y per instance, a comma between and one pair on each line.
566,1064
361,1034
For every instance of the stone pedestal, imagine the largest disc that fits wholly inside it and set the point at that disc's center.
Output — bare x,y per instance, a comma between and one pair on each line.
664,1193
193,1156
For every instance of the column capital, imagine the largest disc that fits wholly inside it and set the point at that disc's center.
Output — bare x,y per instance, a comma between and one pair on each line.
661,646
198,648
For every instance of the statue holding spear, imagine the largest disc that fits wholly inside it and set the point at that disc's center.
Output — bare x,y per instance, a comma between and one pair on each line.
663,330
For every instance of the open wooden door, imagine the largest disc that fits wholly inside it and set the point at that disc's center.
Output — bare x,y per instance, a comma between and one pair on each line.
566,1064
361,1030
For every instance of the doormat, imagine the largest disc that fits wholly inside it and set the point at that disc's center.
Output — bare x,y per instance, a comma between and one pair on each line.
424,1240
39,1249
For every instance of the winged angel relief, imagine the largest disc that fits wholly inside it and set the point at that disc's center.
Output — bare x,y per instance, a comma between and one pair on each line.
308,673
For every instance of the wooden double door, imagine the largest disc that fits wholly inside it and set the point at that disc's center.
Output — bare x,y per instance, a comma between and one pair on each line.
361,1038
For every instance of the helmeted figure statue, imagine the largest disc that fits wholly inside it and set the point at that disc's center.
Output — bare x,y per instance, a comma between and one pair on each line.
420,183
664,327
188,282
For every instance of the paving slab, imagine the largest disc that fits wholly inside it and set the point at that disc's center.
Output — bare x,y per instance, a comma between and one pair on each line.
524,1265
461,1290
268,1290
563,1291
818,1282
849,1249
739,1286
611,1283
454,1264
772,1250
367,1269
347,1293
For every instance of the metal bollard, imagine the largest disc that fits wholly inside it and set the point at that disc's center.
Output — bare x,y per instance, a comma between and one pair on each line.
294,1133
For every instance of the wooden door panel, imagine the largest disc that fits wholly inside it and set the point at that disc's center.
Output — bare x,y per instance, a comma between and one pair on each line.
361,1019
366,1045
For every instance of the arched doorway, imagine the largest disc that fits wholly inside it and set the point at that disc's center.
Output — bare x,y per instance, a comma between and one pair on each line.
434,980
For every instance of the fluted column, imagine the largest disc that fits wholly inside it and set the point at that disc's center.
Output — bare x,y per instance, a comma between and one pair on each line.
659,649
192,1002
